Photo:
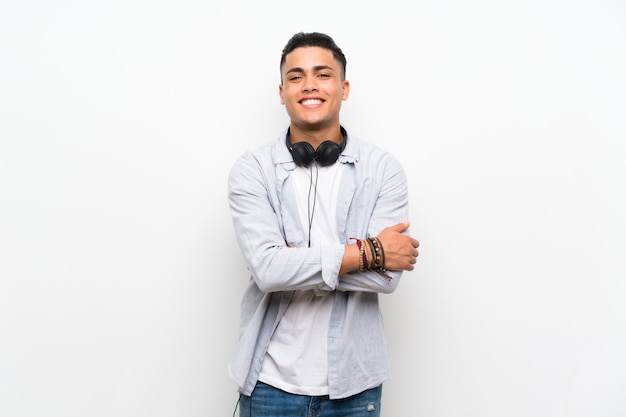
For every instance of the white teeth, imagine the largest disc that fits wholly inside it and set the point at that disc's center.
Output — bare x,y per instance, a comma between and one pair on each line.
311,101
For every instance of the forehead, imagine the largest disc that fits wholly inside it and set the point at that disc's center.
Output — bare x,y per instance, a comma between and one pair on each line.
307,57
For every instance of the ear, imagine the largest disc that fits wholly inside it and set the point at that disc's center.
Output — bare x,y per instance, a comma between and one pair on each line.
281,93
345,89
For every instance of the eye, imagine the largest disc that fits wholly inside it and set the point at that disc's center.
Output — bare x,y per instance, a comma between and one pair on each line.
295,78
324,75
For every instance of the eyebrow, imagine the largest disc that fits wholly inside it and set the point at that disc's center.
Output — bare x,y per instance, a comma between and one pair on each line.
315,68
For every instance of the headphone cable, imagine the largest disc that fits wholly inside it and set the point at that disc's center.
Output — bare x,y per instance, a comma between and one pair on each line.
311,211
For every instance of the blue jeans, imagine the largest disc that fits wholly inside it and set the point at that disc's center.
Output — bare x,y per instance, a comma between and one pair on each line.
267,401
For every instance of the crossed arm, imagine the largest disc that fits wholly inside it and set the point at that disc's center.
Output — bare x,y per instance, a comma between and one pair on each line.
277,265
400,250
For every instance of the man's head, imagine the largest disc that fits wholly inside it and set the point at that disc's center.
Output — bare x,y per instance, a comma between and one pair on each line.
313,85
321,40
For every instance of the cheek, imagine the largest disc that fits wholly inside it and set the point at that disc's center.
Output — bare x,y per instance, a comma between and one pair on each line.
286,96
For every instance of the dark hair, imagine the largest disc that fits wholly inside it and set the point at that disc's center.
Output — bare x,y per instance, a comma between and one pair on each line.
321,40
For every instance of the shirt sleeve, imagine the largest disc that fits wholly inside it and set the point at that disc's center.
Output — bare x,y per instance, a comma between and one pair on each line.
391,206
253,195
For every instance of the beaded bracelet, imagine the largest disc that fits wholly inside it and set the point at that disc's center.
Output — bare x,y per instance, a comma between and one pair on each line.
379,253
371,253
382,252
371,249
375,251
363,264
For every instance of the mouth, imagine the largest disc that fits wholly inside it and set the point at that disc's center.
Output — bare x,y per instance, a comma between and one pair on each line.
311,102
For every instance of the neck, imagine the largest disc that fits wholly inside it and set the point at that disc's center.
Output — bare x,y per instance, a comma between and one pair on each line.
317,136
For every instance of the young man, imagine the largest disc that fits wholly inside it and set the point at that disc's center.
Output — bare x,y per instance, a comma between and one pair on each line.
321,218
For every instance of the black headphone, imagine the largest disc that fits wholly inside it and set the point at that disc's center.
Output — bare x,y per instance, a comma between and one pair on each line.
326,153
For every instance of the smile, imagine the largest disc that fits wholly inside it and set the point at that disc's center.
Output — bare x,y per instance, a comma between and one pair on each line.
311,102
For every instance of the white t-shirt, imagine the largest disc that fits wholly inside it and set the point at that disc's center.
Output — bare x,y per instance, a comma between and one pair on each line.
296,360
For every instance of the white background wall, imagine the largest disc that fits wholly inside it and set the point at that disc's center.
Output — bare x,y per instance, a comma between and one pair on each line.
120,278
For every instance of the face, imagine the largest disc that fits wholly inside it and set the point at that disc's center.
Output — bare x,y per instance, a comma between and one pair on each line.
312,88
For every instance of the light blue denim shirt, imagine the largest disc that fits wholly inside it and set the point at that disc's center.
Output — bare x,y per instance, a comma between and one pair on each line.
373,195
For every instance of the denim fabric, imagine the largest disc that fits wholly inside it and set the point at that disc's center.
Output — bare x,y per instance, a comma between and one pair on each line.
267,401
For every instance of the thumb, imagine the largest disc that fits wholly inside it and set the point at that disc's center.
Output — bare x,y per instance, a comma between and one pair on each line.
401,227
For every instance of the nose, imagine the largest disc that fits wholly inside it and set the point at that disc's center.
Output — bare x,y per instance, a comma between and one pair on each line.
309,85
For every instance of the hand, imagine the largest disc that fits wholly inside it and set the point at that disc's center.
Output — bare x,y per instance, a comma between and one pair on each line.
400,250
